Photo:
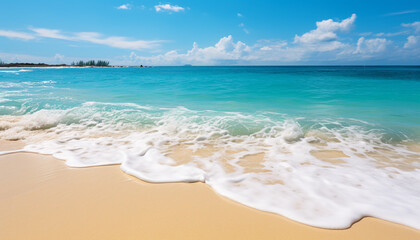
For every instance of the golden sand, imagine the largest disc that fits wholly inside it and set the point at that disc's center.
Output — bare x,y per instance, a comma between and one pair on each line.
42,198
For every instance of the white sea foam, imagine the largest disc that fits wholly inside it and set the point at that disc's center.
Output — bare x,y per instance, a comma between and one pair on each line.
88,104
25,84
265,161
15,71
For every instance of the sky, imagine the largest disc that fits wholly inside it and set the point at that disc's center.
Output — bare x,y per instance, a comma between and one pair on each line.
216,32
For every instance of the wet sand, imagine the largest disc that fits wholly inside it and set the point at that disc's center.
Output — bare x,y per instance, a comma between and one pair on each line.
42,198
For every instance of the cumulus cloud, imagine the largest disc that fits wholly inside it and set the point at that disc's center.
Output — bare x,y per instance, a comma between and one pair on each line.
18,35
326,30
324,37
225,52
275,51
324,44
124,7
414,25
59,58
370,46
229,52
412,41
168,7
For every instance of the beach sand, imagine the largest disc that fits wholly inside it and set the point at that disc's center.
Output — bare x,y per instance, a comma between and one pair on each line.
42,198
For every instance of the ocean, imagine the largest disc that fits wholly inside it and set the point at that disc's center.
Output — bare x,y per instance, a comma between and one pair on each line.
322,145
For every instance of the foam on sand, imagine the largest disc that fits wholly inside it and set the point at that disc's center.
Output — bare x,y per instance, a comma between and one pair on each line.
116,206
328,173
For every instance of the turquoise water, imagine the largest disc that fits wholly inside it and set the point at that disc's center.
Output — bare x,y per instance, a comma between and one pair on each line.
324,146
388,97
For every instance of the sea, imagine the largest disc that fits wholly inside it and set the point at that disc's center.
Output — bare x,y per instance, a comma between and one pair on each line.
322,145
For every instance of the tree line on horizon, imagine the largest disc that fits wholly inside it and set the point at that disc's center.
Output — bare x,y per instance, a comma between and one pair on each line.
91,63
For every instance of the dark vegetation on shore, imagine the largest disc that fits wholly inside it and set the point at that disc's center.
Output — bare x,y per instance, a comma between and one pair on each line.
91,63
31,65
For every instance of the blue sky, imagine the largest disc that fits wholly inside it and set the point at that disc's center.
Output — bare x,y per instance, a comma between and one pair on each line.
213,32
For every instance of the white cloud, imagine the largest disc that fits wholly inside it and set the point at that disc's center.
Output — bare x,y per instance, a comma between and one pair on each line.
93,37
241,25
124,7
415,25
365,34
59,58
239,15
401,13
117,42
168,7
391,34
412,41
229,52
56,59
11,58
321,45
50,33
326,30
370,46
13,34
225,52
324,37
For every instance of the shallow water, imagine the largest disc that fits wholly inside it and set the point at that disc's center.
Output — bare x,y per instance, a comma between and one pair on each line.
321,145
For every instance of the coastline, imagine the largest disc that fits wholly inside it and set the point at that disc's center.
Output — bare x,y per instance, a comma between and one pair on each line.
42,198
57,67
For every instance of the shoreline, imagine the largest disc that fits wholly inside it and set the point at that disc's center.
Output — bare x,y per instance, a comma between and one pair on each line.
55,67
42,198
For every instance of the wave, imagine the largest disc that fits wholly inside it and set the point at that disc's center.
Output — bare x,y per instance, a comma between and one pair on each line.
322,172
25,84
16,71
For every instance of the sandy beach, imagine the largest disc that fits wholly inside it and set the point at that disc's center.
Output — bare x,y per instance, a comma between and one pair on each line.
198,120
42,198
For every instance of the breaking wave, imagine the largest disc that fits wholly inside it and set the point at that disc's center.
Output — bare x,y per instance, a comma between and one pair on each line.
322,172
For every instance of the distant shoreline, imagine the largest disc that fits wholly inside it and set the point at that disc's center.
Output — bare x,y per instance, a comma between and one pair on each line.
32,65
67,66
43,65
